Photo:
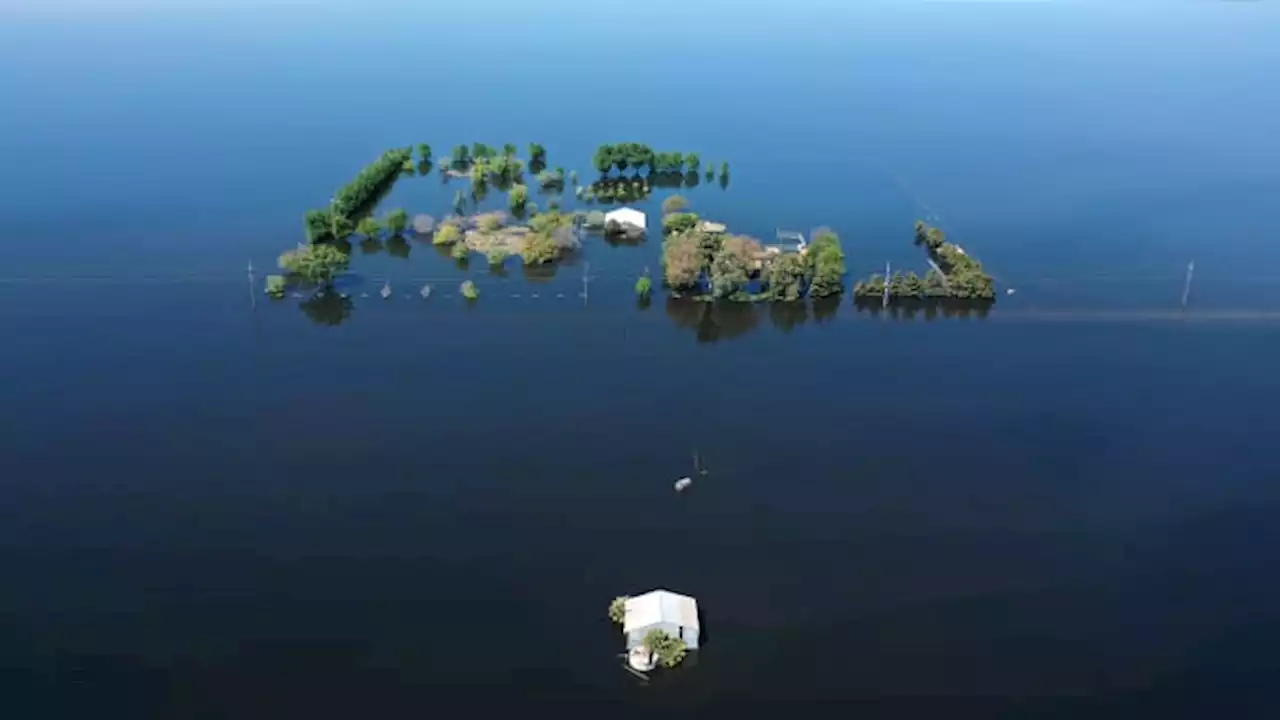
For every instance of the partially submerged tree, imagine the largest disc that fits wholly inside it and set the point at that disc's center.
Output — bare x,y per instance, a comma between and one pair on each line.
682,262
447,234
397,221
826,260
785,276
674,204
469,290
314,264
275,286
679,222
669,650
618,609
424,153
369,227
460,251
518,197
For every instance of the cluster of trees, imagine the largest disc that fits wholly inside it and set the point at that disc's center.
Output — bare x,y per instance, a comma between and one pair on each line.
697,257
622,189
352,201
552,236
964,278
637,156
395,223
551,179
904,286
313,264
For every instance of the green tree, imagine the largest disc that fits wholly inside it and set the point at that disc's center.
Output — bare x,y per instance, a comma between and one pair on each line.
369,227
724,171
469,290
679,222
692,161
461,157
318,225
826,260
669,650
397,221
785,277
682,262
674,204
537,154
314,264
424,153
447,234
518,197
275,286
644,286
618,609
496,256
489,222
460,251
603,160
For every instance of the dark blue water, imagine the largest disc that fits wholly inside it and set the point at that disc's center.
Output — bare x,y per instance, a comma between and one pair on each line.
215,505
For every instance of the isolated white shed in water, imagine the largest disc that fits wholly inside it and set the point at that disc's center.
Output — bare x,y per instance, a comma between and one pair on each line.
672,613
627,215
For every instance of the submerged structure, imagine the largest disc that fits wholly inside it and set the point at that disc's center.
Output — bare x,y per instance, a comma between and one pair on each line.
670,613
627,216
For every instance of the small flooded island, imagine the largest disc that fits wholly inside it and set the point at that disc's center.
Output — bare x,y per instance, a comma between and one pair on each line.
702,260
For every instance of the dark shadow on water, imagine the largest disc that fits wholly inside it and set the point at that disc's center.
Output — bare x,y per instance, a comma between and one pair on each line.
929,309
540,273
786,316
328,308
713,321
692,179
370,246
499,270
644,303
825,309
398,247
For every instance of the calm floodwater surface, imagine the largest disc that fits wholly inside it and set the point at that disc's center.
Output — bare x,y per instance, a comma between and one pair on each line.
212,503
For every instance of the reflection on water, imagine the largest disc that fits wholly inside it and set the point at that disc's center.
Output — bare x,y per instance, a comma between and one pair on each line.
540,273
327,308
713,321
398,247
929,309
370,246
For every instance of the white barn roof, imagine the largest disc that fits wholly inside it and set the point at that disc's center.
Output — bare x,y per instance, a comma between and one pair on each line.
660,607
627,215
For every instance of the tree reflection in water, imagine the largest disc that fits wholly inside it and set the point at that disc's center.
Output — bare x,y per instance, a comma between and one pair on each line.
714,321
908,310
327,307
824,309
787,315
398,247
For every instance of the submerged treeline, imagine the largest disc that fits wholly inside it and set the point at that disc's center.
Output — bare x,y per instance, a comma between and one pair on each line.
353,201
956,276
704,260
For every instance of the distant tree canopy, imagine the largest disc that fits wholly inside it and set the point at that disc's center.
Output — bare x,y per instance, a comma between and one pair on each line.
636,156
537,156
786,277
424,153
460,157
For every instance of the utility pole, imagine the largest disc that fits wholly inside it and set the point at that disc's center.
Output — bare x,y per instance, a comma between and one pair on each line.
253,297
1186,286
884,301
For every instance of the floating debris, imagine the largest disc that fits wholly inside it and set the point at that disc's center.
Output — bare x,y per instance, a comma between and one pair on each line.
386,290
1010,291
683,483
425,292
